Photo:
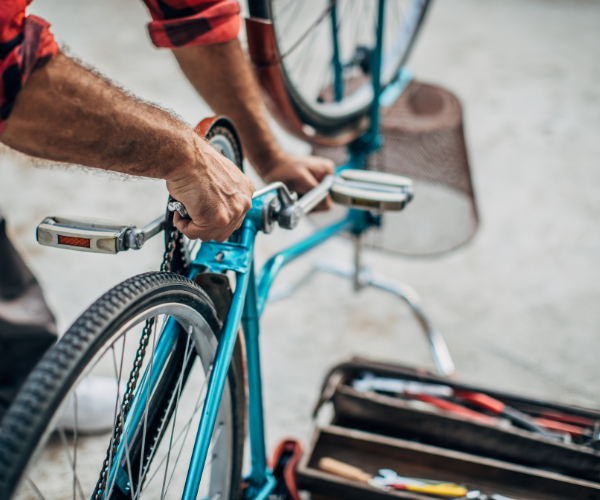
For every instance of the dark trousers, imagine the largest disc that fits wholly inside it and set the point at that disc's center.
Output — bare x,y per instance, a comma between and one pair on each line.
27,327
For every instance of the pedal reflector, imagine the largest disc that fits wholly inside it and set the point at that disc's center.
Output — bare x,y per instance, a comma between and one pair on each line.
74,242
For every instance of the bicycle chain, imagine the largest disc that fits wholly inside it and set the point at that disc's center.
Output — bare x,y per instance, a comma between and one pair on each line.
133,378
169,251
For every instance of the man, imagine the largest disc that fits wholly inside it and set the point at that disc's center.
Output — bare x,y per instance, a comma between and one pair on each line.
53,108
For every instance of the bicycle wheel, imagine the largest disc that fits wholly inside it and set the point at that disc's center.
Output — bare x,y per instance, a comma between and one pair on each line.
305,42
36,461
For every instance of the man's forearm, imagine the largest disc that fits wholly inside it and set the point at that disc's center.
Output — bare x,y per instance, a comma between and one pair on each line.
221,74
66,113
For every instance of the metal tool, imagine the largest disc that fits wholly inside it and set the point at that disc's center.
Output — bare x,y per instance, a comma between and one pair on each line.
473,495
477,495
389,479
369,382
595,443
422,391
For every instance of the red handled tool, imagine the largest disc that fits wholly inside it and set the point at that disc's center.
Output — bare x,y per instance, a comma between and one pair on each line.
499,408
553,425
444,404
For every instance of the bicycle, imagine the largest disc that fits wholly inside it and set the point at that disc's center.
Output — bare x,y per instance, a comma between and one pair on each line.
190,365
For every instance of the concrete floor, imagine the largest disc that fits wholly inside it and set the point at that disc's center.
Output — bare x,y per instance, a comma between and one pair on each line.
518,306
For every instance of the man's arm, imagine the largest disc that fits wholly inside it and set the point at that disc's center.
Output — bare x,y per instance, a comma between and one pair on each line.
221,74
66,113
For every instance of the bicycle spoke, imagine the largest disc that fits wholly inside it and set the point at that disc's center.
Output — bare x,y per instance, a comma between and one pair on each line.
340,29
367,15
75,425
214,443
187,426
294,16
116,414
128,463
132,409
212,447
65,444
356,29
303,64
401,11
285,8
396,11
304,70
179,384
145,427
310,29
35,489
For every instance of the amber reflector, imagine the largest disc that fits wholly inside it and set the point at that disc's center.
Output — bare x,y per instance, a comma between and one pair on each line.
74,242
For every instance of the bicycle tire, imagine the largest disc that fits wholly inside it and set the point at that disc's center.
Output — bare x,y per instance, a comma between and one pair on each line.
29,422
330,120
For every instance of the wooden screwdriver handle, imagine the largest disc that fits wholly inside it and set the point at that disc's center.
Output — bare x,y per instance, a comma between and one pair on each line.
345,470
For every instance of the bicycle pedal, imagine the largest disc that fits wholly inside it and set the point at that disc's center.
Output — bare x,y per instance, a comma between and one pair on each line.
83,234
368,190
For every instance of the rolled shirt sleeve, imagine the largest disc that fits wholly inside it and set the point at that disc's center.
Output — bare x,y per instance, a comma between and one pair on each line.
25,44
181,23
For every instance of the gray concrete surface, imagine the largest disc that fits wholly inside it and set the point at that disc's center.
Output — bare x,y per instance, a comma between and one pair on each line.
518,306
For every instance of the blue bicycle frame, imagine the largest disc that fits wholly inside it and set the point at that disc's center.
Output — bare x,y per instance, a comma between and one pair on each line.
248,303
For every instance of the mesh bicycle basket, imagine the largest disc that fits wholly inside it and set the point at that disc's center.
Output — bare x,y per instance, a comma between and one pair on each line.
423,140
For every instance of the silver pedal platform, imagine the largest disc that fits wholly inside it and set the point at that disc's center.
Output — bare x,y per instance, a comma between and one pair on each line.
83,234
368,190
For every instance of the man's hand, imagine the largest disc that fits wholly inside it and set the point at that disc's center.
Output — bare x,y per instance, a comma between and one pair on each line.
215,193
299,173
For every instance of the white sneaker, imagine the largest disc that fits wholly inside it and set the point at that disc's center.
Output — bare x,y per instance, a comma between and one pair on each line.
96,401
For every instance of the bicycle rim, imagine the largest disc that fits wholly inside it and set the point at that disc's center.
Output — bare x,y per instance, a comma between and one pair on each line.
55,464
304,35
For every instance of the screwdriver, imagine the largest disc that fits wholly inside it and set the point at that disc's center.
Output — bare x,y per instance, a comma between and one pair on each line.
389,479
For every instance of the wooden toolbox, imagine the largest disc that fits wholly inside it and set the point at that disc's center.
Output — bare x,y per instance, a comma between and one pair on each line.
371,452
393,417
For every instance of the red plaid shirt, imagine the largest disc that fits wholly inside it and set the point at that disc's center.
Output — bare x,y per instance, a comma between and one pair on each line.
26,42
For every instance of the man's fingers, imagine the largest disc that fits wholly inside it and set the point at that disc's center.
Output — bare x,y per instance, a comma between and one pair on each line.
224,234
180,223
326,204
321,167
305,182
194,231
